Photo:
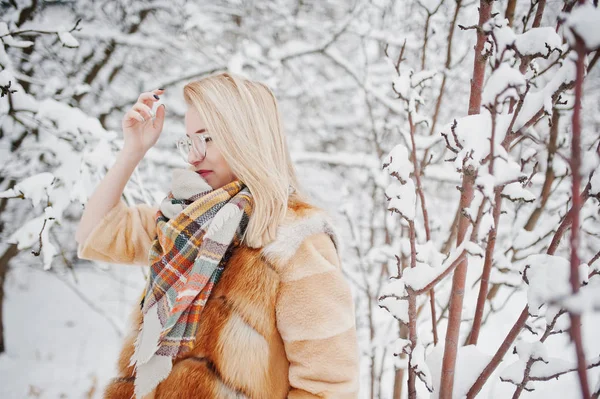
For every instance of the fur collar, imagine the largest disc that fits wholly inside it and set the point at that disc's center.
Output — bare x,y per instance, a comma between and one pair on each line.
301,221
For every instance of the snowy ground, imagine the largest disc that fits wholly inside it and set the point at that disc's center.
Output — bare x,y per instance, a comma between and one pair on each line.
59,346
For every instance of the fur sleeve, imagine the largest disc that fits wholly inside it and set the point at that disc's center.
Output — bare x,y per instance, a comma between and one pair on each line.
316,319
124,235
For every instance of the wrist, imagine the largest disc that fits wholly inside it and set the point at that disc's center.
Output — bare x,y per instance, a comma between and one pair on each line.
131,154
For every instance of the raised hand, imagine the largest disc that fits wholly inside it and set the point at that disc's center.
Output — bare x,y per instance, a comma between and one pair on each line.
140,129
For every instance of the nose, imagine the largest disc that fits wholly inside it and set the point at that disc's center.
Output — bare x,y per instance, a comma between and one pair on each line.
193,157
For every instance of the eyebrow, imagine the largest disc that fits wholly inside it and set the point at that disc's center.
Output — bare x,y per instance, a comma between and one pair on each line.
197,131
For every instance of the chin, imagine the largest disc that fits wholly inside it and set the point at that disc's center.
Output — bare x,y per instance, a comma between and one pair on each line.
211,184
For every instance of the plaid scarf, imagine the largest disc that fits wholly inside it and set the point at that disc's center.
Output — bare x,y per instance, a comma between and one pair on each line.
196,227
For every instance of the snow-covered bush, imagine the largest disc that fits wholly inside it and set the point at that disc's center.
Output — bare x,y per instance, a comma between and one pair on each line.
527,165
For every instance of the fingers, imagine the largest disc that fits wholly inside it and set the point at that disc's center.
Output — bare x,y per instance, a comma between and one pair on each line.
141,111
144,110
149,97
157,123
132,115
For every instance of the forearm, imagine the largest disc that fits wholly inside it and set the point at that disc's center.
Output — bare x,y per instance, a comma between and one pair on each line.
108,192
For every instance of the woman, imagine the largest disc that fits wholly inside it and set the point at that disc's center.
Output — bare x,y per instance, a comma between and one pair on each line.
245,297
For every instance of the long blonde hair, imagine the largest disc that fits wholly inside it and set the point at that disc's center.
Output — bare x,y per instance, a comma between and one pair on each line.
244,122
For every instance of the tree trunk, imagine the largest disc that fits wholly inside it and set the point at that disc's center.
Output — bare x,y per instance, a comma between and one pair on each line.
468,181
10,253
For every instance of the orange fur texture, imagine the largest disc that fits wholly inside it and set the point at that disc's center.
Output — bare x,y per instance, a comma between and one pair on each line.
280,323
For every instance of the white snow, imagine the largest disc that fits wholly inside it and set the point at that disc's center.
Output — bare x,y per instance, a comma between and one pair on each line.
473,249
540,40
394,286
504,36
595,182
34,231
427,253
419,276
485,225
402,345
584,20
9,40
505,83
36,188
548,277
402,85
397,307
515,192
470,361
535,350
423,274
69,345
402,198
535,41
542,99
474,134
381,254
398,162
68,40
421,367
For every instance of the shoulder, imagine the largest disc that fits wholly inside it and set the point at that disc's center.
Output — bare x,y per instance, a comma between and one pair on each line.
306,230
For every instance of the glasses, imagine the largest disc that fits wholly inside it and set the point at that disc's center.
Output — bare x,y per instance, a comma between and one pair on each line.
197,142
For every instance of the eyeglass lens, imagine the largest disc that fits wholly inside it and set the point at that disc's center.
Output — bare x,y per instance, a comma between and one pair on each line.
186,144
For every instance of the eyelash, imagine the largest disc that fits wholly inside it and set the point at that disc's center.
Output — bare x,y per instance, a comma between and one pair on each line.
207,138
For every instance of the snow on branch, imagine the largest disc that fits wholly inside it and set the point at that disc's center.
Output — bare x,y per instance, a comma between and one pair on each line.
471,137
505,83
65,36
534,364
535,42
547,277
398,164
424,277
418,364
401,193
402,198
584,21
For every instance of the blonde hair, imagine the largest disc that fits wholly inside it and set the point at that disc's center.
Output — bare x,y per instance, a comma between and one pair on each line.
243,119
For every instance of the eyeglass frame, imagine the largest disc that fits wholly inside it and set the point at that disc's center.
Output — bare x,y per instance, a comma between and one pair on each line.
197,139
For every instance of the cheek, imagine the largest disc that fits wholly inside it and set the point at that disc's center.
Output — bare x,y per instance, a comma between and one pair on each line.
223,166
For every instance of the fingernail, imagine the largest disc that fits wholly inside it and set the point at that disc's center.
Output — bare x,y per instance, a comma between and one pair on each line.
157,97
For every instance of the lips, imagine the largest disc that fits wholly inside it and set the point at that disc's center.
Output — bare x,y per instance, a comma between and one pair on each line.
203,172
